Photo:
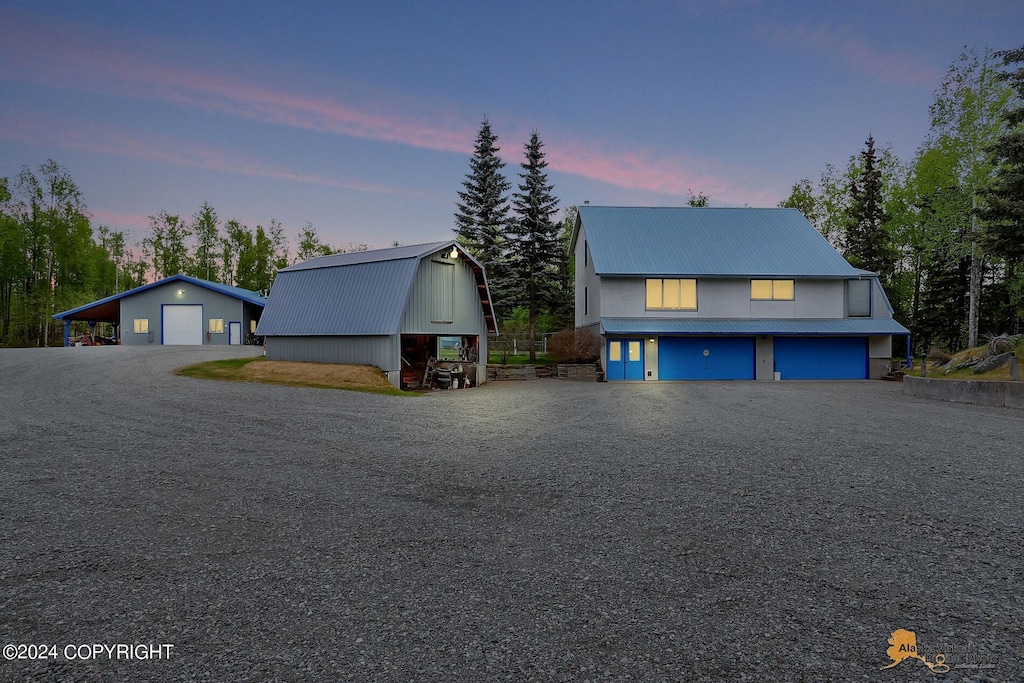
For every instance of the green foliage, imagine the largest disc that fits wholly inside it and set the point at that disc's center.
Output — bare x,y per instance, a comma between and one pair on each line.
535,248
698,200
1003,206
868,244
482,215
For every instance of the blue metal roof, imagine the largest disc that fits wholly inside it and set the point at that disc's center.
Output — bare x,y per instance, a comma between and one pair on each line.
360,299
361,293
754,326
704,242
81,313
352,258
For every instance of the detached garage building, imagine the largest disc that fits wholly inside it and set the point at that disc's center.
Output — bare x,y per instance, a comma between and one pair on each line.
390,308
699,293
176,311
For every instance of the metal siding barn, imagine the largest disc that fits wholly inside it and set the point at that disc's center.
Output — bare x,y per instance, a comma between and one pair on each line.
390,308
179,310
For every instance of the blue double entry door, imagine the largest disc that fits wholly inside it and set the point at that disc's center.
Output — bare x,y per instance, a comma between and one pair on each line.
625,359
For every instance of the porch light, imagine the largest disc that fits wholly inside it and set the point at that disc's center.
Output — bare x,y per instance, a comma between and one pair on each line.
454,254
651,340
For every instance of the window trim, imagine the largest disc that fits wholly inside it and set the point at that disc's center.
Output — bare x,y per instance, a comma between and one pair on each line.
792,284
662,280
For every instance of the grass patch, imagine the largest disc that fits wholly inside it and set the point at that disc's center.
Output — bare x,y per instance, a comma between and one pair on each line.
316,375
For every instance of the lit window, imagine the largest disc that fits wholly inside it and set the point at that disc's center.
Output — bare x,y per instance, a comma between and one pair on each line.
252,327
216,325
671,294
614,351
141,325
769,290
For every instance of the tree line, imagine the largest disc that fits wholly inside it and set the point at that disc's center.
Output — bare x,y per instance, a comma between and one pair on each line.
945,229
52,260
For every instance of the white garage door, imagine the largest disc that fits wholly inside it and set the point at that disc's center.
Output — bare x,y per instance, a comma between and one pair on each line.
183,325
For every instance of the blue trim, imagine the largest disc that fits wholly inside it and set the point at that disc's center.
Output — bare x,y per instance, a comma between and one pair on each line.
67,338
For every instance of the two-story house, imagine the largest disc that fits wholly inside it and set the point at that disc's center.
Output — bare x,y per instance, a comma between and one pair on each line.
700,293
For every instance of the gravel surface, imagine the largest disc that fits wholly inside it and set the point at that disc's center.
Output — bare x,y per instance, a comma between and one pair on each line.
531,531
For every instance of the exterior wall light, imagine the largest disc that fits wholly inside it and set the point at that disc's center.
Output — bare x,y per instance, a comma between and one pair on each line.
454,254
181,292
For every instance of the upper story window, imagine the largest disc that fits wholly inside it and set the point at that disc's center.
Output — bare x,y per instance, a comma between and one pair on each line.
666,294
858,298
771,290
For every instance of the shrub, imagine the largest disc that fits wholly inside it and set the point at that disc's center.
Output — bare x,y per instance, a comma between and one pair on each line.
574,346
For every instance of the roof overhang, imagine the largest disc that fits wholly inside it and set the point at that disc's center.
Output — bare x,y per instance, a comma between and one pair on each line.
824,327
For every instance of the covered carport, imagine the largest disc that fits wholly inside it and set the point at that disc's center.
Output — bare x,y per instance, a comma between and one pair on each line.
103,311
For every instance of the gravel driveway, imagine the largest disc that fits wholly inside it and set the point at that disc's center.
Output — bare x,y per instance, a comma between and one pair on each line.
546,530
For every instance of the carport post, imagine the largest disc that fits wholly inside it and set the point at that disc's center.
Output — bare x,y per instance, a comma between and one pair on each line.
92,331
910,359
67,339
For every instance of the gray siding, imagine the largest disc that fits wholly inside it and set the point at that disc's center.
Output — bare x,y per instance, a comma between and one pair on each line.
723,298
425,302
588,285
378,350
148,305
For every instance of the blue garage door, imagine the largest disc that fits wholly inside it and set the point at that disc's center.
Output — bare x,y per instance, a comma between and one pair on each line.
706,358
821,357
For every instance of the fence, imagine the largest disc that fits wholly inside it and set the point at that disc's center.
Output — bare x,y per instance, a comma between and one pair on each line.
517,344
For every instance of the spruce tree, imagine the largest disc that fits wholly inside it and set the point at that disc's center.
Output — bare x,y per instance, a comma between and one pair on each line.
1003,208
483,212
868,243
534,244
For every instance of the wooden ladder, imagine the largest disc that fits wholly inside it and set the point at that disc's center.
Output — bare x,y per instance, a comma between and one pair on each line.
428,373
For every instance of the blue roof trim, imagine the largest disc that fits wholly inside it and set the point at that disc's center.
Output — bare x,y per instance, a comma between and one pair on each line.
754,326
235,292
707,242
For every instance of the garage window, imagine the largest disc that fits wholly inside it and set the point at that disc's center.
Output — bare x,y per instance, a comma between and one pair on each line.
771,290
216,325
141,325
664,294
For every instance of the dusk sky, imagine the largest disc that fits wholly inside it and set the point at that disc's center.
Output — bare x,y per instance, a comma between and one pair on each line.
360,117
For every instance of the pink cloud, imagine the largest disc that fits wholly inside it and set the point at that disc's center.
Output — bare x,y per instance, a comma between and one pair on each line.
37,53
103,140
889,67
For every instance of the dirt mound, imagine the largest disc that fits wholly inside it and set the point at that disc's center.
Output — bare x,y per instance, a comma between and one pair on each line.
319,374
